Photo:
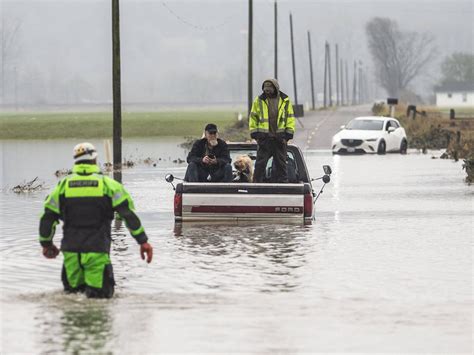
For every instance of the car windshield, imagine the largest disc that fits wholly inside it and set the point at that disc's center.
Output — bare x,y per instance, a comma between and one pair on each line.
365,125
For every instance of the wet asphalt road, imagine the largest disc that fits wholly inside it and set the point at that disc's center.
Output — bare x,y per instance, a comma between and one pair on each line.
319,126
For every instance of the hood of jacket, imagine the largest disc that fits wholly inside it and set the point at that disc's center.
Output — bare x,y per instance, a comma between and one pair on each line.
283,96
274,83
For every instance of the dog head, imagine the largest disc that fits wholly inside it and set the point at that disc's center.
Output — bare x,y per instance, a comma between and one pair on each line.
243,163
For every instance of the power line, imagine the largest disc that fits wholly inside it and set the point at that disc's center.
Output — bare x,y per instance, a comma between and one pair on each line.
197,27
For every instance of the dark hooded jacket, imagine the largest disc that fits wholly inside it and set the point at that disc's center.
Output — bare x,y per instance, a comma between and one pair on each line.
200,149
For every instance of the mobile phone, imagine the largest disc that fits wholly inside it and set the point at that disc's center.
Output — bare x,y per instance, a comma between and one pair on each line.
211,156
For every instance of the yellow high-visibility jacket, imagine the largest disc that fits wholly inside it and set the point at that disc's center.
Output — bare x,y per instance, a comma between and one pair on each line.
258,120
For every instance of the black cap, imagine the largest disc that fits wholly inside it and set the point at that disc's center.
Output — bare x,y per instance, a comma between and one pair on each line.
211,128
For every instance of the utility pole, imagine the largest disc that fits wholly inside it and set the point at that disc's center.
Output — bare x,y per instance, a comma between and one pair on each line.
276,40
16,87
347,84
3,57
293,59
329,74
354,85
325,74
117,100
366,85
342,81
361,99
311,71
337,75
250,62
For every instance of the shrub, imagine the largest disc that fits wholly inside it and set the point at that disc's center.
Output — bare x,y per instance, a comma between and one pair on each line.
469,167
378,109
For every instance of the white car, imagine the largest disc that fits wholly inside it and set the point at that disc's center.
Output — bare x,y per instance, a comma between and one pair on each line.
370,135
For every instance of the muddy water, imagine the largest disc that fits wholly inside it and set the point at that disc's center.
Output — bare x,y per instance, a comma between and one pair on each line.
386,267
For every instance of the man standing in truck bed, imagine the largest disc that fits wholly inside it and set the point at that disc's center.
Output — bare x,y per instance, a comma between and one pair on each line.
272,125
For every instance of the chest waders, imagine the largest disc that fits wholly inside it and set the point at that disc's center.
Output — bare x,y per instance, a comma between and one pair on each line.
83,209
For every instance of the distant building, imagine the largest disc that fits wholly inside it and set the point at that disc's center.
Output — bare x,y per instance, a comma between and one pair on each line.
455,95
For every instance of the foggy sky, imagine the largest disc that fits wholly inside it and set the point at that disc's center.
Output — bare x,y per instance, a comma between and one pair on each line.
196,51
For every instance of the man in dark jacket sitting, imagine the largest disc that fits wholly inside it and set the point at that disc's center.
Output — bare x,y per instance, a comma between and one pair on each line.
209,159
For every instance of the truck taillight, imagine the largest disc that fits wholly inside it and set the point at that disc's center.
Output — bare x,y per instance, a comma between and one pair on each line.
178,204
308,205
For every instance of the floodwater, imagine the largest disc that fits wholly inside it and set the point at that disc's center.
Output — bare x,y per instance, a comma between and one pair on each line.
386,266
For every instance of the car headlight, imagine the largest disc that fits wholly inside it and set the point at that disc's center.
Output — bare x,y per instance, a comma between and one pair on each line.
371,140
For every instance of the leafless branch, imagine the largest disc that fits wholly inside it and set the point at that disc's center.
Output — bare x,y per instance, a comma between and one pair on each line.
399,56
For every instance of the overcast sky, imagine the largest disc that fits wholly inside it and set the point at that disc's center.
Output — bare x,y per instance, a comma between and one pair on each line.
196,51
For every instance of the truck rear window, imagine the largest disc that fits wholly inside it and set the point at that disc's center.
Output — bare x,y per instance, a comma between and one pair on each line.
293,173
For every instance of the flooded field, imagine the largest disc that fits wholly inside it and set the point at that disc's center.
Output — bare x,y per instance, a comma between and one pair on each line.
386,266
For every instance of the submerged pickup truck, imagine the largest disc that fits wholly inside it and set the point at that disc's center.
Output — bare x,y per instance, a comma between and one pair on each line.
235,201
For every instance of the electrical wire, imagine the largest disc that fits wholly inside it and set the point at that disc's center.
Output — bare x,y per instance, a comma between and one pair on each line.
192,25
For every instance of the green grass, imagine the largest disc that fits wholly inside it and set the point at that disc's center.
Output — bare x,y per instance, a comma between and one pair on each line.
458,109
99,124
461,112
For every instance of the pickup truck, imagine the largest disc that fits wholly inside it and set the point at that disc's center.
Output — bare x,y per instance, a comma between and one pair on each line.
235,201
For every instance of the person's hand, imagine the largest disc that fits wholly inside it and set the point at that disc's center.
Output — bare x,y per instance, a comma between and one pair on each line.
213,161
50,252
206,160
146,249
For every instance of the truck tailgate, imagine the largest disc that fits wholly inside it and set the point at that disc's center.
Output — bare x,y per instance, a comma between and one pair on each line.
234,201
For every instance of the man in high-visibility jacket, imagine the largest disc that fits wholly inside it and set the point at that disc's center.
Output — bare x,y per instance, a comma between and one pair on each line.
86,201
272,125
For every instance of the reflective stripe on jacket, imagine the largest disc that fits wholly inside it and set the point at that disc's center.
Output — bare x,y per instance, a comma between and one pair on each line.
258,120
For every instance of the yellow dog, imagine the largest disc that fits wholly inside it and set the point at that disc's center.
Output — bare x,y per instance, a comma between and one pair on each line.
244,167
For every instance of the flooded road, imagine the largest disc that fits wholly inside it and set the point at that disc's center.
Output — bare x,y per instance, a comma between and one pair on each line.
386,266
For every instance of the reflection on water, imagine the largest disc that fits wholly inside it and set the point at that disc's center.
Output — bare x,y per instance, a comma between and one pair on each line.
62,324
85,328
389,257
76,325
273,253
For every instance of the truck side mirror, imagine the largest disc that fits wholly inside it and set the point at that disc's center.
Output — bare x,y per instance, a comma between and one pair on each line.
326,179
343,126
327,170
169,178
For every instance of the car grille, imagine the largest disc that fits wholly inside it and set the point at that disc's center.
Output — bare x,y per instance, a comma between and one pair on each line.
356,151
351,142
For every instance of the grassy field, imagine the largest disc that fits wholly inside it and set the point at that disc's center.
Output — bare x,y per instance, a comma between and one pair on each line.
99,125
462,112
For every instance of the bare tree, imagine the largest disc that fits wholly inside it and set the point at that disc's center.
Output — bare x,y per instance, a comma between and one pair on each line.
9,46
399,56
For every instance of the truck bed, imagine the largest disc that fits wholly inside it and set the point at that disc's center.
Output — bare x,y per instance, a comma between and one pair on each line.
235,201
